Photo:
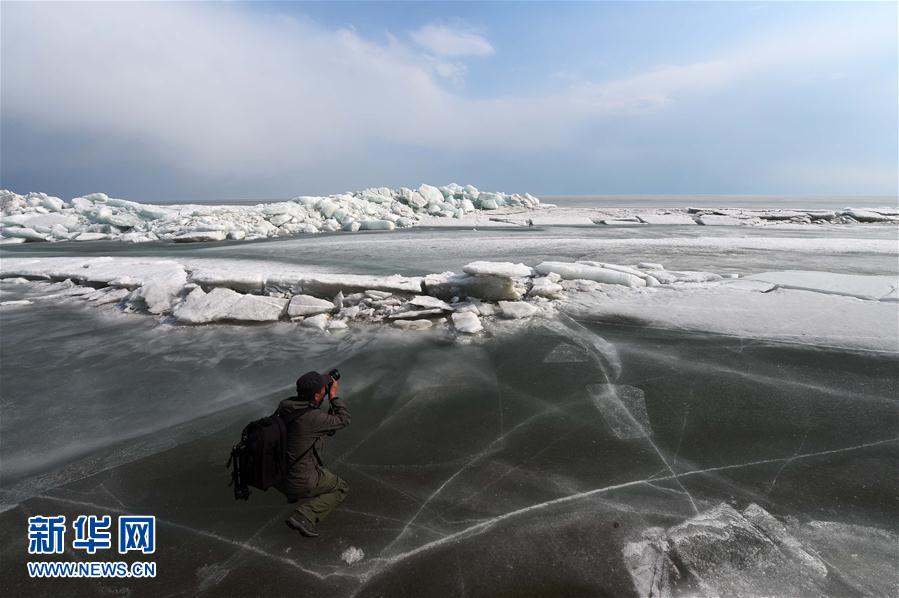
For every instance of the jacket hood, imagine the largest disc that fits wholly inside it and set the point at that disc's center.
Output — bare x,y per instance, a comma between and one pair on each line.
292,404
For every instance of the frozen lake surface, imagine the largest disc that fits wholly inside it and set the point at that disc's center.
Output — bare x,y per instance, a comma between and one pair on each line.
814,202
422,250
526,463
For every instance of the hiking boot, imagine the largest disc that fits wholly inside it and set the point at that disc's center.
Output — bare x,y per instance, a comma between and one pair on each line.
299,522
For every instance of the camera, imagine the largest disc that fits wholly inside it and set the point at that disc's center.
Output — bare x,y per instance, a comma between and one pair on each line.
334,375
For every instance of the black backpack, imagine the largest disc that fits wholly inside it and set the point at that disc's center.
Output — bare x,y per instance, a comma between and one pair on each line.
259,459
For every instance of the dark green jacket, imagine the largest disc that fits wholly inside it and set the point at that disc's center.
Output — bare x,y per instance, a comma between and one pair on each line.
301,433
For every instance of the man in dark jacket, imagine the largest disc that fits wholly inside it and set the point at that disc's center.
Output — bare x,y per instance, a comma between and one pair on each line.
307,478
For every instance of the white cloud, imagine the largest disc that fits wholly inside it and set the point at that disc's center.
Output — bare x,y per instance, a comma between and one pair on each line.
452,71
210,88
219,93
450,42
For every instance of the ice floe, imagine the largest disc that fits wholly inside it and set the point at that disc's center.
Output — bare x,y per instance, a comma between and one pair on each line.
490,288
715,220
679,219
726,552
627,221
582,271
867,215
40,217
790,306
785,315
319,322
307,305
467,322
517,309
502,269
224,304
428,302
545,286
159,289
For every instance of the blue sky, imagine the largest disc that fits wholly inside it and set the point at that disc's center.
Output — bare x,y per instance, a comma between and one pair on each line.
205,101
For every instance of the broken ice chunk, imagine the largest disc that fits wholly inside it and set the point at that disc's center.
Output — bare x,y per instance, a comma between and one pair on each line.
160,290
489,288
225,304
200,236
504,269
651,569
307,305
467,322
413,324
416,314
319,322
429,302
544,287
574,271
715,220
517,309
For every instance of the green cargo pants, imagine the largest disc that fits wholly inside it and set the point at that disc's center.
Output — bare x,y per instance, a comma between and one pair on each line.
330,492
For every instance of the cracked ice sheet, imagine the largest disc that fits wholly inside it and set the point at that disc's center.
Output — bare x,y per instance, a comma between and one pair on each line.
119,272
792,316
518,483
863,287
257,275
240,275
848,249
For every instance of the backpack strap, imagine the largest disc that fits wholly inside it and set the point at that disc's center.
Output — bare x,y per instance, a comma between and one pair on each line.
241,490
315,452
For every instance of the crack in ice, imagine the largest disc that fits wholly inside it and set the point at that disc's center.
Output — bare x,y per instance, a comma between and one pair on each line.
464,468
206,534
371,433
484,526
761,378
514,468
787,462
610,392
680,441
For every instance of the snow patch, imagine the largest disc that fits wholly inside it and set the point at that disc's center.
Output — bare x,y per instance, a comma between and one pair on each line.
352,555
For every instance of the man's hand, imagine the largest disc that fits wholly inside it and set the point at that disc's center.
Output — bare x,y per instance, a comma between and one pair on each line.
333,387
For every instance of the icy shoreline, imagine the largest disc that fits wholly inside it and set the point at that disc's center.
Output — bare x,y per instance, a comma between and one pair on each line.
40,217
785,306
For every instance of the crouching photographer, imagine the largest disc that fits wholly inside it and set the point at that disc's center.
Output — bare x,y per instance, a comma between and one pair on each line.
307,480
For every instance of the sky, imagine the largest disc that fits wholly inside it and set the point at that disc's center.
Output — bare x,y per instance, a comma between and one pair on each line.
207,101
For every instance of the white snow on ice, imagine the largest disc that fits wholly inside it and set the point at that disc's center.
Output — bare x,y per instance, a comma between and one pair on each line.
39,217
821,308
